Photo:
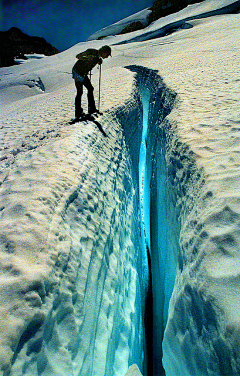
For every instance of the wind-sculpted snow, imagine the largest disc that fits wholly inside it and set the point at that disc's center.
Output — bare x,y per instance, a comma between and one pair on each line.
90,319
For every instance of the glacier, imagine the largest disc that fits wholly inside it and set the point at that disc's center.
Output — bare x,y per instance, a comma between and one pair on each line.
120,254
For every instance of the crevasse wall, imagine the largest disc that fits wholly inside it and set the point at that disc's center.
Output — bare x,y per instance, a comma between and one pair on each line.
159,216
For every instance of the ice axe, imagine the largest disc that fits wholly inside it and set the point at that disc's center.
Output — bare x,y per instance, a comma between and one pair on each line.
99,86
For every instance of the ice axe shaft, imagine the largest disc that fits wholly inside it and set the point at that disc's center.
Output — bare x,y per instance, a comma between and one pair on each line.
99,86
90,76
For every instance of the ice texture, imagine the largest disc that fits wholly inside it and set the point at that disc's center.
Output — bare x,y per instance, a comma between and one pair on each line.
160,230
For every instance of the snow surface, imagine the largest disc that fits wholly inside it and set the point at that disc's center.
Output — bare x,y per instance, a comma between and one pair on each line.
28,57
92,226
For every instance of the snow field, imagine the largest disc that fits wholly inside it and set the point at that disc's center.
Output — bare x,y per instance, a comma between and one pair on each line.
72,286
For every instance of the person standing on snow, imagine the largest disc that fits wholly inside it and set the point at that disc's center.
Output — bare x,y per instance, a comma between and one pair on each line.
87,60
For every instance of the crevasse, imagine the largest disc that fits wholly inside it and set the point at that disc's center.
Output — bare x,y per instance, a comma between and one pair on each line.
116,249
160,230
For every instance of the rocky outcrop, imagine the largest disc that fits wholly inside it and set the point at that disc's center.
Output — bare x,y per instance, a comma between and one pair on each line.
14,43
162,8
134,26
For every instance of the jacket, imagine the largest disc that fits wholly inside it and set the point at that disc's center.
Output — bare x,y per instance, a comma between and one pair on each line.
87,60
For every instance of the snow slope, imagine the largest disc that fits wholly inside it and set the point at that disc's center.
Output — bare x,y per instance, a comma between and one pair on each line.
106,240
117,27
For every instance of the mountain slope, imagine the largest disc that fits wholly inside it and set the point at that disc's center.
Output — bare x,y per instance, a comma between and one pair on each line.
14,43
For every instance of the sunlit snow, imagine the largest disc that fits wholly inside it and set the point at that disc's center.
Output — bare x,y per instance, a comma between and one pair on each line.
120,254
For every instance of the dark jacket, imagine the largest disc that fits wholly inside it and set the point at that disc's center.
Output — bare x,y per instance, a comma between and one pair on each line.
86,62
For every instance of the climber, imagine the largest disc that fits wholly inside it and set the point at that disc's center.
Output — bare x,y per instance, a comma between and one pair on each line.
87,60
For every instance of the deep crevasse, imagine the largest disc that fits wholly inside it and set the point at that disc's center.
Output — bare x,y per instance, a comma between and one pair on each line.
160,226
97,323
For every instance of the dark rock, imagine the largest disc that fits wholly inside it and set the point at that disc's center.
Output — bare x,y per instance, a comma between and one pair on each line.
162,8
14,44
134,26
